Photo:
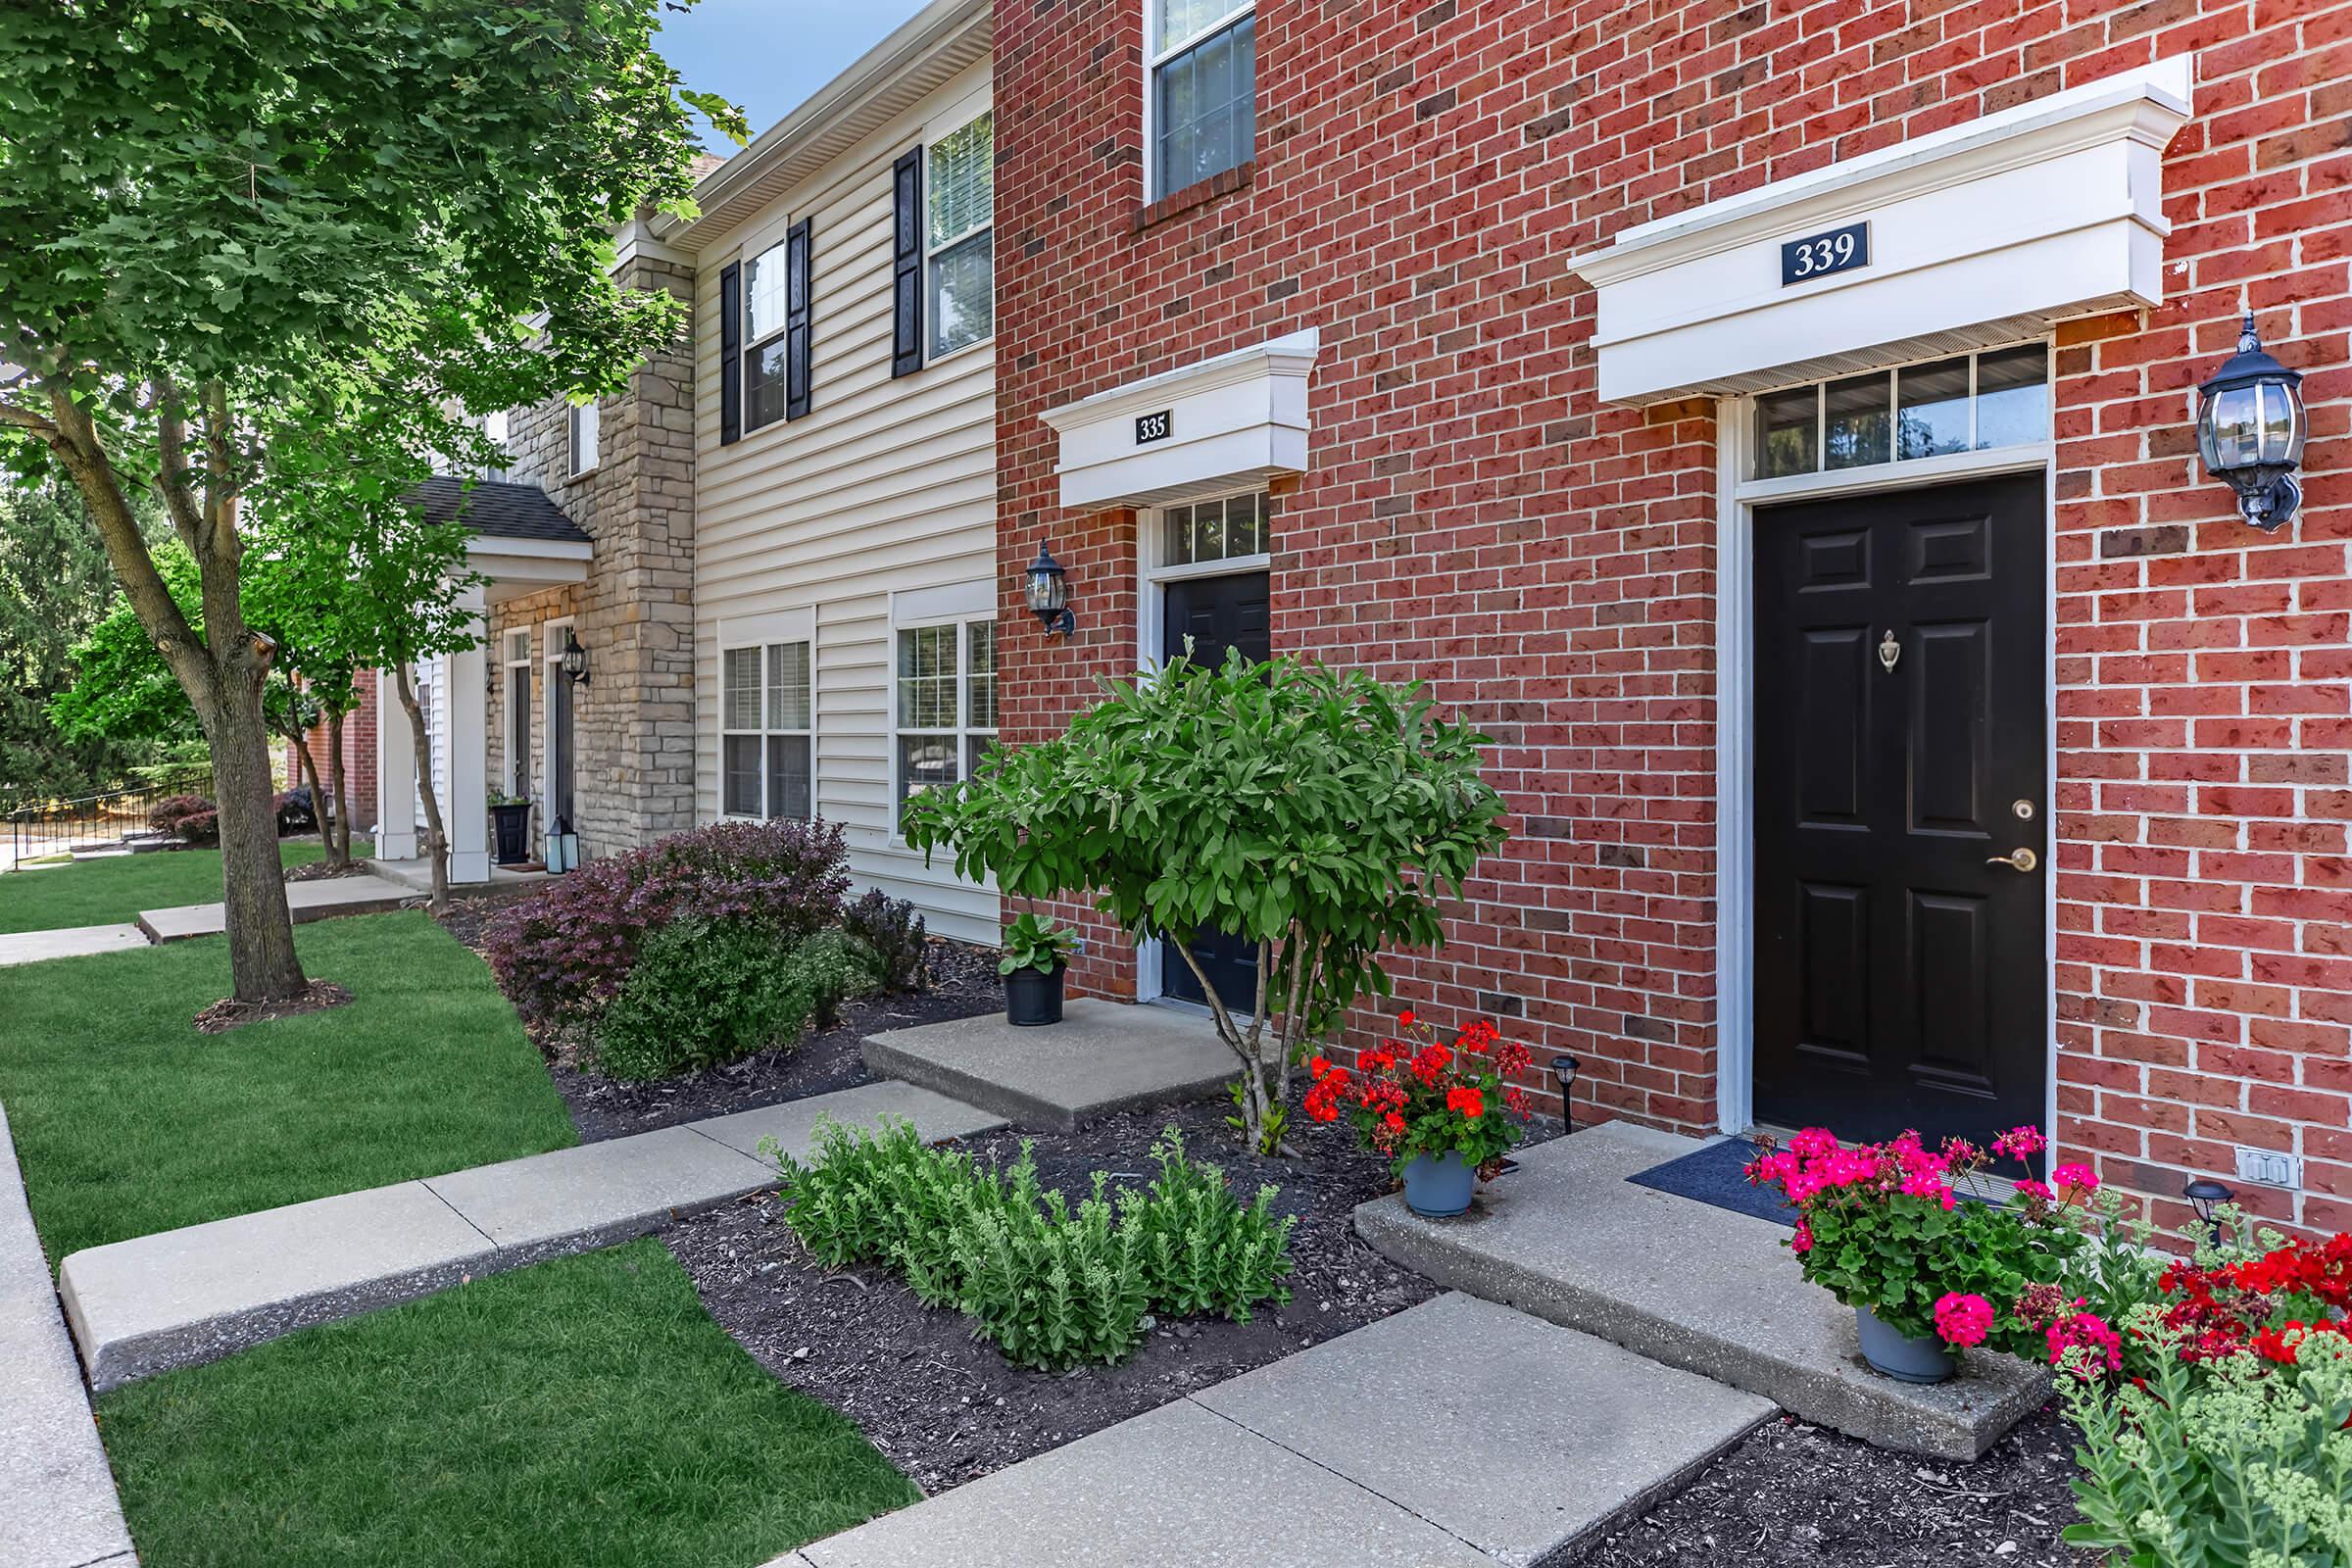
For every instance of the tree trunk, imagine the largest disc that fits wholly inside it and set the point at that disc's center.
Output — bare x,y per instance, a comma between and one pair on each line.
309,768
222,672
436,838
339,846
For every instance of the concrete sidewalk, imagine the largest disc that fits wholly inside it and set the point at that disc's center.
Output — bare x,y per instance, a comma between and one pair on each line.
58,1507
68,942
1456,1433
186,1296
308,901
1104,1056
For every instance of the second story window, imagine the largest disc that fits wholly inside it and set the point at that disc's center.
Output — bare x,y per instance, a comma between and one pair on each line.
958,235
583,437
1202,89
775,331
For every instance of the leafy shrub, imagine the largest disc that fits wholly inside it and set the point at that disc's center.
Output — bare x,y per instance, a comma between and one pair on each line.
562,956
894,933
2217,1464
199,829
1050,1285
166,814
706,992
294,811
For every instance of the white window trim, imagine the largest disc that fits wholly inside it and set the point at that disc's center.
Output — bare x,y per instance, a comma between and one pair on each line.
931,253
1154,572
571,426
750,259
1155,184
962,619
517,738
807,640
551,665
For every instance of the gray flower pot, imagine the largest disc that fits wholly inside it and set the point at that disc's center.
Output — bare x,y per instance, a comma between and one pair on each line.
1439,1185
1898,1355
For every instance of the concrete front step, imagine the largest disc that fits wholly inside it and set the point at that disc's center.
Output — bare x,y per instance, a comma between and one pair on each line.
1454,1432
1104,1056
308,901
191,1295
1567,1238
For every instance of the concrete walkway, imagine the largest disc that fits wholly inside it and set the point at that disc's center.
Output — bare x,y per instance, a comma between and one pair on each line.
1456,1433
309,900
1102,1056
70,942
1567,1238
186,1296
58,1507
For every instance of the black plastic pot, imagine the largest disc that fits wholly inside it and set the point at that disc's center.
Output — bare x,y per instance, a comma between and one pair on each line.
1034,996
512,826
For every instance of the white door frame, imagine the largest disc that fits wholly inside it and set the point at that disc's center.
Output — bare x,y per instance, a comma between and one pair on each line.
1735,751
551,671
517,738
1152,574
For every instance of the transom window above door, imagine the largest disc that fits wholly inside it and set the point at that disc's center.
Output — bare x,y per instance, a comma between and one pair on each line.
1228,529
1203,89
766,717
1968,403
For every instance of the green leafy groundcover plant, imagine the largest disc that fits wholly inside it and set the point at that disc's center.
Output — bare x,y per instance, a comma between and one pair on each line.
706,992
1050,1285
1884,1227
1323,816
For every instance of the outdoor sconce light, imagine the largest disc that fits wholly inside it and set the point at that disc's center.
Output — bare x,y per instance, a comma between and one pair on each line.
1564,1069
2205,1195
575,659
2250,431
1048,591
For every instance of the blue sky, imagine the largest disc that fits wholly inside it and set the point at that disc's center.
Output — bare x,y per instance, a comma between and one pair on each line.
769,54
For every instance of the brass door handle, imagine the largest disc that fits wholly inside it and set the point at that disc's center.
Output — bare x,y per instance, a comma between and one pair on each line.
2018,859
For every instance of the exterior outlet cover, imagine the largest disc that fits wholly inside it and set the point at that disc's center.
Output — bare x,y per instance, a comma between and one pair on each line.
2269,1169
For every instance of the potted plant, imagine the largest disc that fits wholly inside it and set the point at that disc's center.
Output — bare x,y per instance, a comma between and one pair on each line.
1035,954
1904,1235
511,824
1444,1115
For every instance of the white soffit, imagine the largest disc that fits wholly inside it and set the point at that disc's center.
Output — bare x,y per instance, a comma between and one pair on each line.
1978,233
1229,421
516,566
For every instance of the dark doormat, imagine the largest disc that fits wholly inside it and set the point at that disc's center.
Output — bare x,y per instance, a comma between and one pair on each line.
1717,1175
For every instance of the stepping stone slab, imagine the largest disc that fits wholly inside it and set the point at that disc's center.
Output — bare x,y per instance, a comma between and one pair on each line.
1508,1432
1567,1238
792,1124
71,942
1102,1056
1178,1486
58,1507
184,1296
308,901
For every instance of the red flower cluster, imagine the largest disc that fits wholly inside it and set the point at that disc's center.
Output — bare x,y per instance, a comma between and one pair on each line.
1412,1098
2246,1307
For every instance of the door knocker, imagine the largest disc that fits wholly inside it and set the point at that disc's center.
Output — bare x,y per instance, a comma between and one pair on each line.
1889,651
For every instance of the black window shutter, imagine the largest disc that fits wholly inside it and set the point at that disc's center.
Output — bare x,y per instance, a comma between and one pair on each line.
730,352
796,320
906,264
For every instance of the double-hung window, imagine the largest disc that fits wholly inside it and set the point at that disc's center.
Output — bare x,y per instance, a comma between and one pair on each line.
1203,89
947,703
959,234
583,437
767,729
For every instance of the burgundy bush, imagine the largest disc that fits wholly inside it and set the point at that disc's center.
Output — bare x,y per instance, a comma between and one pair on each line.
199,828
562,955
165,816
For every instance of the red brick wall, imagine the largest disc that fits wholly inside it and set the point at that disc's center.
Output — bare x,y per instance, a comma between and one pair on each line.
1474,517
358,756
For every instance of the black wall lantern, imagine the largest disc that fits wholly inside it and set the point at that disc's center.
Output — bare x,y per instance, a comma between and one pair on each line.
2250,431
1047,590
2205,1195
575,659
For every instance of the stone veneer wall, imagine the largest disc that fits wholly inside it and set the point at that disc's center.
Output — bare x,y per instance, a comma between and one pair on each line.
634,717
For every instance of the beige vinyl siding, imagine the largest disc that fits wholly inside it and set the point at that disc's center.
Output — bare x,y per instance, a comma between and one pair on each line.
885,487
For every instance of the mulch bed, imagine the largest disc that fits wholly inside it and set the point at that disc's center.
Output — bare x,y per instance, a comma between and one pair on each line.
230,1013
1794,1494
947,1409
324,871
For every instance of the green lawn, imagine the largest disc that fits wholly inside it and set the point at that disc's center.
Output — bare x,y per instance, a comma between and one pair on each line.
576,1414
129,1121
112,892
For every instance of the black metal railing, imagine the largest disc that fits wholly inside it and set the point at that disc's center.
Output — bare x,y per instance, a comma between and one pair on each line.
41,828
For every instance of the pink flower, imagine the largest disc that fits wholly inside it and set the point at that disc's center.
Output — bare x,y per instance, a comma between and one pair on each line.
1963,1319
1804,1238
2088,1332
2019,1142
2033,1189
2076,1179
1813,1140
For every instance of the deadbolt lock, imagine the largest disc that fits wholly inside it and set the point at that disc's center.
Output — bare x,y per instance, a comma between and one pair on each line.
2023,811
2018,859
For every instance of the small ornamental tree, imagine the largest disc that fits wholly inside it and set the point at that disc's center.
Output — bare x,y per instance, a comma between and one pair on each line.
1321,814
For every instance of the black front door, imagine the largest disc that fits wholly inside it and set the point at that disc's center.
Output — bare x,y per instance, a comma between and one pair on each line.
1217,615
1901,747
